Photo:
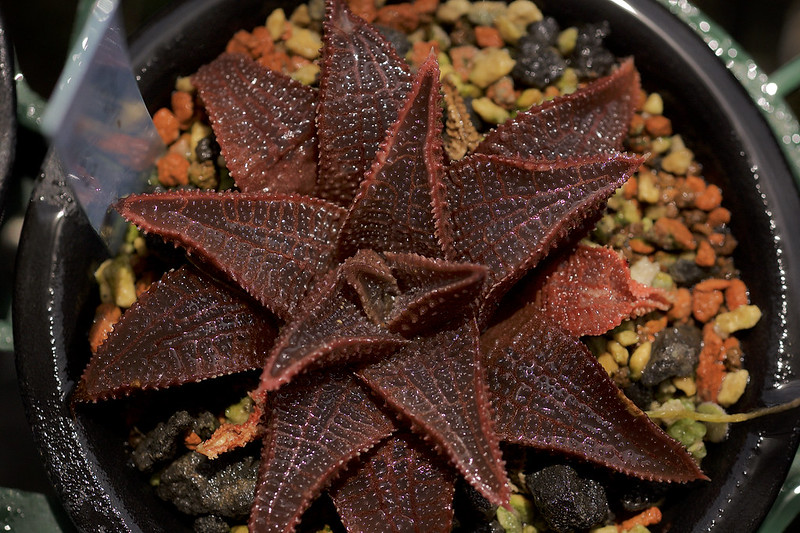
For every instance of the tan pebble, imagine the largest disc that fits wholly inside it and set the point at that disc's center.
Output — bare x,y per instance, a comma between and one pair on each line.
305,43
276,23
490,65
654,104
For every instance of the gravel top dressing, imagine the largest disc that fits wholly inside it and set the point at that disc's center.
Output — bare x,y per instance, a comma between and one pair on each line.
430,242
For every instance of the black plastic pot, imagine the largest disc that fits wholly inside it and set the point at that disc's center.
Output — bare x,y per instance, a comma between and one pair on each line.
8,111
85,452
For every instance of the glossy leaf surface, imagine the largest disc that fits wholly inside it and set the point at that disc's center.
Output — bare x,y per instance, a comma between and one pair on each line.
264,123
222,332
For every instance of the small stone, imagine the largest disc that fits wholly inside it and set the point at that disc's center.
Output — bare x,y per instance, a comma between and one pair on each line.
304,42
675,352
484,13
276,23
565,500
490,65
452,10
523,12
489,111
654,104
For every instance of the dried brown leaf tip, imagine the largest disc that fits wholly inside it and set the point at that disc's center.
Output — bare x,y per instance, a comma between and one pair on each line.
381,262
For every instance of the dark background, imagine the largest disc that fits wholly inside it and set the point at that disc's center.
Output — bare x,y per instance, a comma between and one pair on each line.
769,30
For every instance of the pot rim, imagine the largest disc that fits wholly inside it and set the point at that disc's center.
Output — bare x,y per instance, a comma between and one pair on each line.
51,205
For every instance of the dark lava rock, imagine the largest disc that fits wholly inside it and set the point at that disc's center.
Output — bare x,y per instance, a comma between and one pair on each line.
544,32
538,66
473,508
566,500
640,495
207,149
590,58
686,273
210,524
163,443
197,485
639,394
675,352
397,38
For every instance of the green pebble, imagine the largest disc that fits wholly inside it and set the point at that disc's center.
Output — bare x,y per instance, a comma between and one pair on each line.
687,431
489,111
509,520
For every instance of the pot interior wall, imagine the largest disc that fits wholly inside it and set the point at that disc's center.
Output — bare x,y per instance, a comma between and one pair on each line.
706,103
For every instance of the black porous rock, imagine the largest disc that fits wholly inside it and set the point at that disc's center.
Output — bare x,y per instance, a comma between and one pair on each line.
210,524
198,485
590,58
675,352
165,440
565,500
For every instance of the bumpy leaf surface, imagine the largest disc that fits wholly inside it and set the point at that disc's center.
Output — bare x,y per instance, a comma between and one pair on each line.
271,245
362,85
222,332
438,384
593,119
317,424
549,392
263,122
399,273
507,214
592,292
330,327
399,487
393,208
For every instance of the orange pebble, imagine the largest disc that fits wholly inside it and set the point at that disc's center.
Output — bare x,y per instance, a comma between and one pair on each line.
640,247
677,231
365,9
695,183
658,126
648,517
706,304
421,50
182,106
105,316
736,294
463,58
426,7
713,284
486,36
637,124
173,169
710,368
709,199
631,188
403,17
192,440
718,216
706,256
681,305
167,125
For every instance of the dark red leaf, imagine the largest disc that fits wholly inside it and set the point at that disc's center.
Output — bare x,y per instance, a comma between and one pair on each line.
393,210
432,293
362,85
316,425
272,245
549,392
399,487
593,119
329,327
438,384
508,214
185,328
263,122
592,292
